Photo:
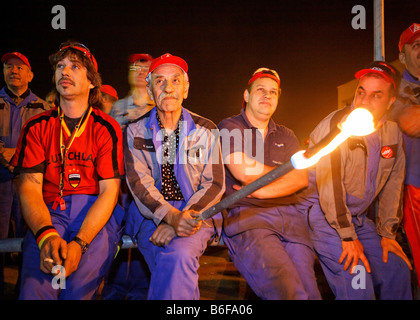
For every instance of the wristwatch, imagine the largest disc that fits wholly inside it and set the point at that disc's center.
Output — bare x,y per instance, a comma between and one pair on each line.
81,243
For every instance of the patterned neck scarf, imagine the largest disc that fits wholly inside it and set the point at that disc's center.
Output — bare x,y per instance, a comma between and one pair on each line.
170,187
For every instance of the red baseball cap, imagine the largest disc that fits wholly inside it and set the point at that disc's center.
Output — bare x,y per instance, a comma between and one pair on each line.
18,55
79,47
106,88
167,58
139,56
382,68
409,35
266,73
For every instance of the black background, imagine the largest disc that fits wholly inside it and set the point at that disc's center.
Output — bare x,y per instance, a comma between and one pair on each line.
311,44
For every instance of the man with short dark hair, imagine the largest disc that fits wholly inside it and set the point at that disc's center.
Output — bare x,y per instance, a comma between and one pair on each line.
70,161
361,258
265,234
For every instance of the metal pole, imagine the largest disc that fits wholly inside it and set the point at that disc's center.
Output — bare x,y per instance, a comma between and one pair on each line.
15,244
379,30
11,245
247,190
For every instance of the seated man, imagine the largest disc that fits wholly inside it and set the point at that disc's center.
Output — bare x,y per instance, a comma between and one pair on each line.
406,112
266,236
70,161
361,259
174,171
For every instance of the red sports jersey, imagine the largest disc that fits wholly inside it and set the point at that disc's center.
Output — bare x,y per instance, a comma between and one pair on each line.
95,154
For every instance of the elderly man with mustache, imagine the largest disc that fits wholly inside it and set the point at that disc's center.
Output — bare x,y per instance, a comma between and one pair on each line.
174,171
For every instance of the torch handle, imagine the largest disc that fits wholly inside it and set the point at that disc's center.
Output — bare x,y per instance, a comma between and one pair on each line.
247,190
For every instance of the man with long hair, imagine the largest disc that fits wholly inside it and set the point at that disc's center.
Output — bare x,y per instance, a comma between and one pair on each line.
70,163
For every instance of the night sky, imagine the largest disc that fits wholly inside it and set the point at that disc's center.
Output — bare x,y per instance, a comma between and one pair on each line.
311,44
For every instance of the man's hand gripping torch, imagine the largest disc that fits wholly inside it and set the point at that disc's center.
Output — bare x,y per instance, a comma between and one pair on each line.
358,123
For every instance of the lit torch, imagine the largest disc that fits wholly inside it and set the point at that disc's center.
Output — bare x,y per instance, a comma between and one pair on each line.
358,123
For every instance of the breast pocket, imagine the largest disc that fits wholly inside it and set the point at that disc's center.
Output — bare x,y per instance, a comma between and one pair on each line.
196,162
355,174
144,144
147,148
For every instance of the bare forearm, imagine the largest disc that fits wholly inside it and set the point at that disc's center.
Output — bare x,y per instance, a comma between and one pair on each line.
284,186
248,171
33,207
5,155
8,153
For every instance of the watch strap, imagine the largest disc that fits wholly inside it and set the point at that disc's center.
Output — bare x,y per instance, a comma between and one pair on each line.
83,244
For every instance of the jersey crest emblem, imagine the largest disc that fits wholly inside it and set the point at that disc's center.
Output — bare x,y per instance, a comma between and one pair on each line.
74,177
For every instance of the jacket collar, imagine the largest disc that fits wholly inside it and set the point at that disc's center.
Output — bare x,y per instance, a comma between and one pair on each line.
28,96
187,128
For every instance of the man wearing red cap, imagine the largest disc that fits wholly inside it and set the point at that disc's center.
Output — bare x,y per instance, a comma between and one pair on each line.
70,163
109,96
138,101
174,171
406,111
17,105
266,236
132,266
361,258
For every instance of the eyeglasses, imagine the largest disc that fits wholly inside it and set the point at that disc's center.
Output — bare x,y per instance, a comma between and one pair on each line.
82,48
134,67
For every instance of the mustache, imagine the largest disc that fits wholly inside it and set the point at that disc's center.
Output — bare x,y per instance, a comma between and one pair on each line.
66,79
169,95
